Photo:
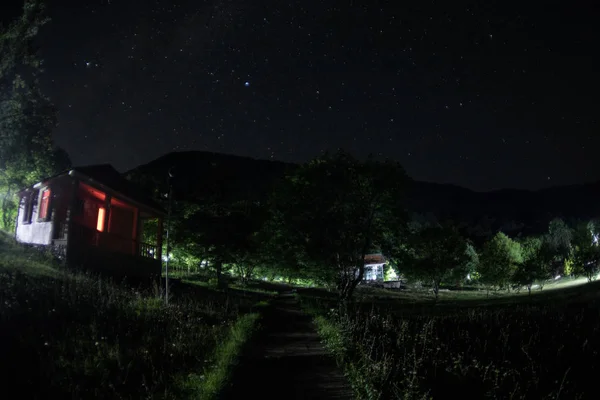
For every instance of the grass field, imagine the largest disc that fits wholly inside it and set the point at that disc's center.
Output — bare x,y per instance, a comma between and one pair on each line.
68,335
508,346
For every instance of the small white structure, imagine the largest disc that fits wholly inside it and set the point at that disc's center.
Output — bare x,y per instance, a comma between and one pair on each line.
374,264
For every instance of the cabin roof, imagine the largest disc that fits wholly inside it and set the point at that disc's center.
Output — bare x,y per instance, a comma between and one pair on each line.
105,175
374,259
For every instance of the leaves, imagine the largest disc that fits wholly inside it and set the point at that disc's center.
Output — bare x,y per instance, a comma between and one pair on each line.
27,117
439,253
586,252
499,260
333,211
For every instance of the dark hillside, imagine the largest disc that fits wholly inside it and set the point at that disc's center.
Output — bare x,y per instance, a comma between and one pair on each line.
201,175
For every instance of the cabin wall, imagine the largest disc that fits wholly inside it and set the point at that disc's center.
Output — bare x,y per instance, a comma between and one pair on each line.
35,232
373,272
42,232
88,201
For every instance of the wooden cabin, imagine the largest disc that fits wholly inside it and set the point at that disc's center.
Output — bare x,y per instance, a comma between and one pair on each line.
94,219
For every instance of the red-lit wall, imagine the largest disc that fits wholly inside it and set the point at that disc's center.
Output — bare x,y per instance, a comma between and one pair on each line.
88,201
120,234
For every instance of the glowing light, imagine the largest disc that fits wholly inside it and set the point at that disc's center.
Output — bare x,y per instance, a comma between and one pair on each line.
557,277
246,83
101,216
45,204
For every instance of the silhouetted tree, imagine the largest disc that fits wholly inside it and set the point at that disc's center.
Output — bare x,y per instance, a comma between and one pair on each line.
439,253
333,211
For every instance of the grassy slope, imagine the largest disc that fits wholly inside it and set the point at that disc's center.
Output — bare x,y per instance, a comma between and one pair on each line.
403,344
72,335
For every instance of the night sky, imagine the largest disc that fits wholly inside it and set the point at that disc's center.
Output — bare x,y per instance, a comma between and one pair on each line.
481,94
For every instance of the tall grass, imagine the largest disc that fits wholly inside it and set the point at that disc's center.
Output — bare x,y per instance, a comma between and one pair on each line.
65,335
522,352
213,380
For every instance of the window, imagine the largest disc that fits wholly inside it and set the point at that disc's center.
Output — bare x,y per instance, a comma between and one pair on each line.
44,213
28,208
101,217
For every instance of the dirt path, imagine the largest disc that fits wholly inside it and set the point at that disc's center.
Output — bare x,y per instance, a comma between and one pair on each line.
287,361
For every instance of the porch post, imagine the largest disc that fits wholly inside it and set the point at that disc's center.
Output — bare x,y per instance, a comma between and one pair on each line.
107,212
134,234
159,241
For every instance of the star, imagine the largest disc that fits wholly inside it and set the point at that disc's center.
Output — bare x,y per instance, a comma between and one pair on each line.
246,83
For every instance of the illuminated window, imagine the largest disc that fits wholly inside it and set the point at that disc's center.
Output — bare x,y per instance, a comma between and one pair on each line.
101,216
44,213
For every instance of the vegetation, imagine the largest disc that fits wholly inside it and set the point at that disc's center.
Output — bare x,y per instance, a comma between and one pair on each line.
27,117
516,351
213,381
438,254
89,337
330,213
499,260
585,251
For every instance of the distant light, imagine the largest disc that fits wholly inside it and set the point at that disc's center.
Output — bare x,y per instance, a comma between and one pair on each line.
246,83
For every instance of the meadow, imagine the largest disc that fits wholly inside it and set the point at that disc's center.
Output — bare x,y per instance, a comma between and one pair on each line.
70,335
508,347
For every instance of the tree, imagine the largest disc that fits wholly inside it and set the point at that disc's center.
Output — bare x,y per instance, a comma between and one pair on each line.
586,252
333,211
27,117
439,253
499,260
534,266
221,232
558,241
469,269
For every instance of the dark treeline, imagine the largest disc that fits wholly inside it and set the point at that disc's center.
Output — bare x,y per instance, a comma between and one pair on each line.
314,223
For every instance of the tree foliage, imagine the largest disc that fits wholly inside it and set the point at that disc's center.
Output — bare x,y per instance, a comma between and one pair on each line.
333,211
586,252
558,240
499,260
27,117
535,263
222,233
439,253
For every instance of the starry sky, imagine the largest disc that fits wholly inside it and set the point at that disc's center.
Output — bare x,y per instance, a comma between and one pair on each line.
482,94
